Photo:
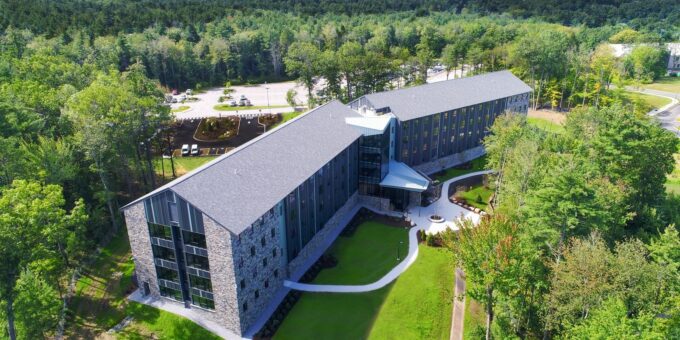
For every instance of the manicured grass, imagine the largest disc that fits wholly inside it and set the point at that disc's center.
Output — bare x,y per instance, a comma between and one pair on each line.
182,165
419,305
227,107
416,306
668,84
654,101
474,325
545,124
478,164
180,108
478,191
366,256
286,117
152,323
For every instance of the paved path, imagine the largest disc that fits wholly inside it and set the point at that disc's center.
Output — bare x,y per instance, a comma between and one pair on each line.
451,213
458,315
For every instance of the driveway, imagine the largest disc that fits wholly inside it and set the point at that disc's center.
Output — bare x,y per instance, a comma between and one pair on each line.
668,115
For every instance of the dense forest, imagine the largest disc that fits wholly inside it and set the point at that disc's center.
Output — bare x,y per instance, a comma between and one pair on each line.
82,114
110,17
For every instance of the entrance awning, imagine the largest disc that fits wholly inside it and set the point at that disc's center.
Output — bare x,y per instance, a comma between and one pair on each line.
401,176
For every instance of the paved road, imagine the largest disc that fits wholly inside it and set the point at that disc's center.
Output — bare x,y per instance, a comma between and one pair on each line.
451,213
668,115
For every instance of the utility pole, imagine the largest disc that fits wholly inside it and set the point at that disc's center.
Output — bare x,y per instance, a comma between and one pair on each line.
268,106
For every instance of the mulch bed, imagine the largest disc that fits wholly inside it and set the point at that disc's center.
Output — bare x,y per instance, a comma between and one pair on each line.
270,120
217,129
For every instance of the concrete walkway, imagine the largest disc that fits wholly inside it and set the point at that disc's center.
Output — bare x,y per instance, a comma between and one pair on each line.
458,315
450,212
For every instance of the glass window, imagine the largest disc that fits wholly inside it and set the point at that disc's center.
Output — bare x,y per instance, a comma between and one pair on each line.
171,293
197,261
200,283
194,239
252,251
202,302
257,293
264,262
167,274
263,242
274,252
174,215
163,253
160,231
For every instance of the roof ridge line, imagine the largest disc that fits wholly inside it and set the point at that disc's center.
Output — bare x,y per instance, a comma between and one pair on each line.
217,160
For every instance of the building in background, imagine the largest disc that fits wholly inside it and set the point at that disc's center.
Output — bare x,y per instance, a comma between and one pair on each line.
222,239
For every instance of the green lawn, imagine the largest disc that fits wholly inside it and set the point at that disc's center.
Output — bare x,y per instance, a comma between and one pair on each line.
286,117
478,191
180,108
366,256
227,107
152,323
478,164
545,124
416,306
182,165
668,84
654,101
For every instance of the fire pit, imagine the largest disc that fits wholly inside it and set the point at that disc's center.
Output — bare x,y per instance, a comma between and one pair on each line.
436,219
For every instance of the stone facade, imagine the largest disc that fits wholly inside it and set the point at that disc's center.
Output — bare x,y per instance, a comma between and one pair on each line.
375,202
451,161
140,244
256,272
321,240
220,256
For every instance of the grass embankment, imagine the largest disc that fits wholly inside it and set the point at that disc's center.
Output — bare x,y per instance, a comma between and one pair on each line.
545,124
477,164
673,180
286,117
416,306
180,108
366,256
100,302
668,84
182,165
227,107
654,102
474,326
478,196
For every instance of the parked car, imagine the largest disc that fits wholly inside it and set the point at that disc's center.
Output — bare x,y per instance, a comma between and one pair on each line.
189,92
232,103
194,150
174,92
244,102
185,150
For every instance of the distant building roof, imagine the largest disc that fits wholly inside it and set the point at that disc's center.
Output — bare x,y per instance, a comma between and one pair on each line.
419,101
240,186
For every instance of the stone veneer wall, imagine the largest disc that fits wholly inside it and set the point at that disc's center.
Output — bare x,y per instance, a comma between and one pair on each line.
377,203
321,241
220,258
251,269
140,244
440,164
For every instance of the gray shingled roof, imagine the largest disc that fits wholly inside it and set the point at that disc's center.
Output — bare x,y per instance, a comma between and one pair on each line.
420,101
240,186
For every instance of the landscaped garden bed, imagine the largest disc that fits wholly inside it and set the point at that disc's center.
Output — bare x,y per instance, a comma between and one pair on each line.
473,193
269,120
217,129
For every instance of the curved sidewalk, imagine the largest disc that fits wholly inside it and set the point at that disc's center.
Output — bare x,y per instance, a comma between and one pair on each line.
412,247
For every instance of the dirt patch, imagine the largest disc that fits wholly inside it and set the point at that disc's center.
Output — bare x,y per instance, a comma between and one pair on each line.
270,120
553,116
